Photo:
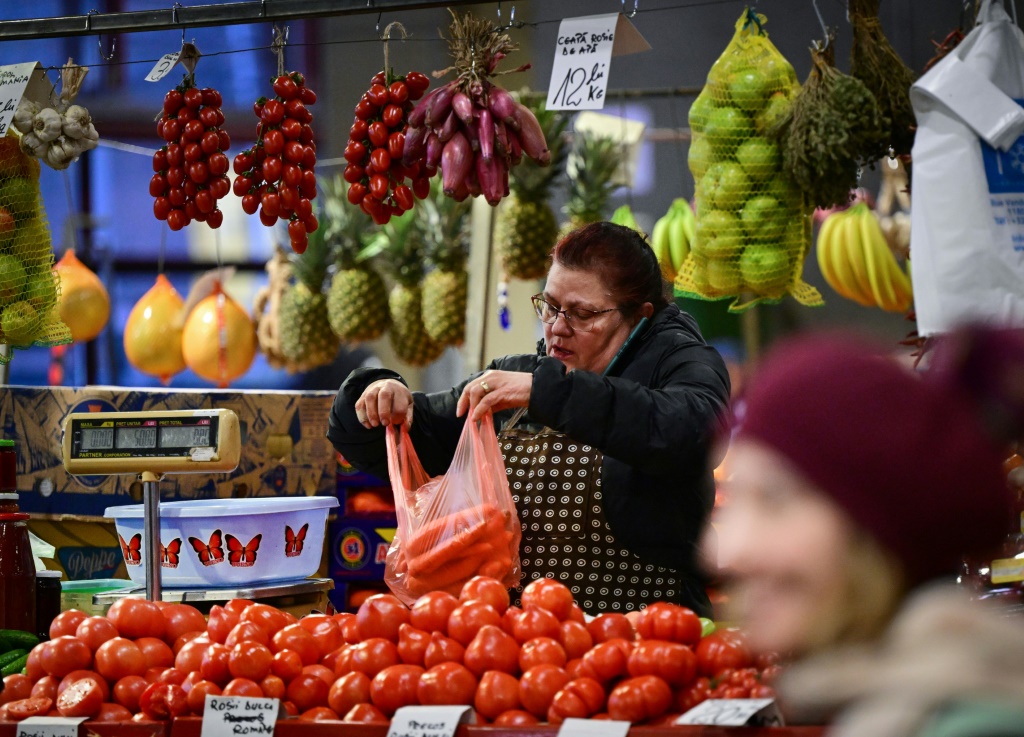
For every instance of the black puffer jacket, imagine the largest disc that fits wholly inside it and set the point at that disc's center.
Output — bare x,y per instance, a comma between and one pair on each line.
654,421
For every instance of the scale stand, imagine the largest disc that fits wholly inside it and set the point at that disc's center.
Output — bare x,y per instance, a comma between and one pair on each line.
151,532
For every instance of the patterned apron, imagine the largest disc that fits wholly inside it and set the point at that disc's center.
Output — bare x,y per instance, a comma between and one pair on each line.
556,486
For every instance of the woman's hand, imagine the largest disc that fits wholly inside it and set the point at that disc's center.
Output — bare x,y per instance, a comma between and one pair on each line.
385,402
494,391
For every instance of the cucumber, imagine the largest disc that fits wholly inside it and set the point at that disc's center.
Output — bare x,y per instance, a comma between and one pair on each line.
15,639
16,666
11,655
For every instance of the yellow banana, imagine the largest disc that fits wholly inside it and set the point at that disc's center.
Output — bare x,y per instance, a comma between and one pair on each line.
875,273
854,251
895,283
679,247
689,220
824,254
659,244
840,260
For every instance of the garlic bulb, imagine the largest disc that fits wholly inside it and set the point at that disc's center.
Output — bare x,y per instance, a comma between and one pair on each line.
76,122
31,145
61,152
23,116
47,124
91,136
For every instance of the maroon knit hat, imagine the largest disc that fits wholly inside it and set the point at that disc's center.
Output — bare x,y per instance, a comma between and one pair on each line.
905,455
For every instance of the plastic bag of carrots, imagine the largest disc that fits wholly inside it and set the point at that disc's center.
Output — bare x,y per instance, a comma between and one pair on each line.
455,526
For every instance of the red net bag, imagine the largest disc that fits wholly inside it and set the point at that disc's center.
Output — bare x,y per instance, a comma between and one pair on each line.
455,526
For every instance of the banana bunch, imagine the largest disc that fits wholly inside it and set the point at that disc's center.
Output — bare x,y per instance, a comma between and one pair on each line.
672,237
856,261
624,216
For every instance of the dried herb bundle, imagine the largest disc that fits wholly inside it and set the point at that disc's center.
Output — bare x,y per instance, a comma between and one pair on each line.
874,62
833,120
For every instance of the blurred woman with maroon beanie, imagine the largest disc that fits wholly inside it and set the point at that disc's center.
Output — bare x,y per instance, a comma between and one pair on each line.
856,486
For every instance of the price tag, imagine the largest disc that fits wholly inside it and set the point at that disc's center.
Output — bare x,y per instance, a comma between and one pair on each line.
734,713
239,715
572,727
17,81
163,67
583,55
427,721
49,726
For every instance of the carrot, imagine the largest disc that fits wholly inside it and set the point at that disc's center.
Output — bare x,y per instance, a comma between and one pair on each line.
459,545
449,526
426,563
452,572
496,567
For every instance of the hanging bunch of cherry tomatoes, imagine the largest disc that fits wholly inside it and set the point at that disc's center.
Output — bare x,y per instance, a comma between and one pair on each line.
191,169
277,177
376,173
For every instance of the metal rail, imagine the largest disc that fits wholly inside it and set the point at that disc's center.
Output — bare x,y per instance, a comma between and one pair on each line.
180,17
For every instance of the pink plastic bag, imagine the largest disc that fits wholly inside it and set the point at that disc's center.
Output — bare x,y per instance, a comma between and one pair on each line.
455,526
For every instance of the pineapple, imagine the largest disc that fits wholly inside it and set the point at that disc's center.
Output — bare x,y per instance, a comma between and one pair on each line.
526,227
307,340
404,247
592,164
357,301
445,225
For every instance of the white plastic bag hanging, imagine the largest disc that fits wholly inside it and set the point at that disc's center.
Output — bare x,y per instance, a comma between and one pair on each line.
967,224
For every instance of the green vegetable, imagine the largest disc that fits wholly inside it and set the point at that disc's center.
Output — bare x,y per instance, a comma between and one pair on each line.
14,639
16,666
11,655
707,627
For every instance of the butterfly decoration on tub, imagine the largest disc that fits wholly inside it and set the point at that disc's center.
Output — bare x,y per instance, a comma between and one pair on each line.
293,540
169,554
209,554
131,550
242,556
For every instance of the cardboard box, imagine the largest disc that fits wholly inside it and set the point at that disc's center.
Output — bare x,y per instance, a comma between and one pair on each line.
86,547
285,451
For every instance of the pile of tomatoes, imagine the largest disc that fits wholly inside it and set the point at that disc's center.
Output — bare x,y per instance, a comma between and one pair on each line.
277,176
375,172
516,667
191,170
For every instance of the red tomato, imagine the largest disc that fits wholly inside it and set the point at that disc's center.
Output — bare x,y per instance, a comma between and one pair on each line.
481,588
639,699
374,655
212,97
127,691
247,632
243,162
365,714
155,653
64,654
538,686
342,660
189,658
185,638
348,691
548,594
541,650
242,687
16,686
94,631
609,660
496,694
535,622
319,714
66,623
214,666
412,644
135,617
378,95
320,671
45,687
672,661
250,660
393,115
198,693
398,92
193,97
240,605
606,626
664,621
447,683
720,650
286,664
692,695
575,639
285,87
273,687
34,706
173,101
431,611
492,649
273,112
395,687
161,701
580,698
762,691
78,675
467,619
112,713
516,718
325,631
417,82
381,616
377,132
396,147
295,638
82,698
307,690
404,197
442,650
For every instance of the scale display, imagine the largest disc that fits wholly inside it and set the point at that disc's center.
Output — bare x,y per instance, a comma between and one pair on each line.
176,441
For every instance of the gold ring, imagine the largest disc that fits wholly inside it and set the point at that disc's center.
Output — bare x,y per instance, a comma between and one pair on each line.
487,389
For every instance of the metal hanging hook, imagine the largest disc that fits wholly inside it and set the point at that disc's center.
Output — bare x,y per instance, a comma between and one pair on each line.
632,13
821,20
99,37
511,19
379,34
263,8
174,20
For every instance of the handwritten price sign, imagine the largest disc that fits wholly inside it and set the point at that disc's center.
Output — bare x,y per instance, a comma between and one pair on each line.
583,55
226,716
17,81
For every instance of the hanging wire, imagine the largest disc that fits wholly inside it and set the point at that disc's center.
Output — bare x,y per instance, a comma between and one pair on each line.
99,38
821,20
174,20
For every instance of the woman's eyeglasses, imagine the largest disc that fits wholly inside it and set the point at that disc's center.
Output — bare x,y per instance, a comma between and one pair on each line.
576,318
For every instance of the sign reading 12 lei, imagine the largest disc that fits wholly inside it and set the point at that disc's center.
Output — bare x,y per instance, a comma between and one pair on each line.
583,54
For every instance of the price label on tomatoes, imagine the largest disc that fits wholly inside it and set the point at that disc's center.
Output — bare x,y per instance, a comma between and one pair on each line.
50,726
225,716
734,713
573,727
427,721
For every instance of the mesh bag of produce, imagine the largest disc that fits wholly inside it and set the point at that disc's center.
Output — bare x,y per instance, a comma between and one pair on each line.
29,290
455,526
753,225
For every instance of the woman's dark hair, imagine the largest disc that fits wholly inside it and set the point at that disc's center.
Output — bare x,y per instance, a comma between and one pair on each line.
620,257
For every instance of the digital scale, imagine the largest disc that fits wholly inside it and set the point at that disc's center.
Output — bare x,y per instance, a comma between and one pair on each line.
152,445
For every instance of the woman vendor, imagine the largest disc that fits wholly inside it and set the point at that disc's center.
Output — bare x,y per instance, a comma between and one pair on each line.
608,468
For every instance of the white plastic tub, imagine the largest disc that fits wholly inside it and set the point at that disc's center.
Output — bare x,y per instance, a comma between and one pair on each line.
228,542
